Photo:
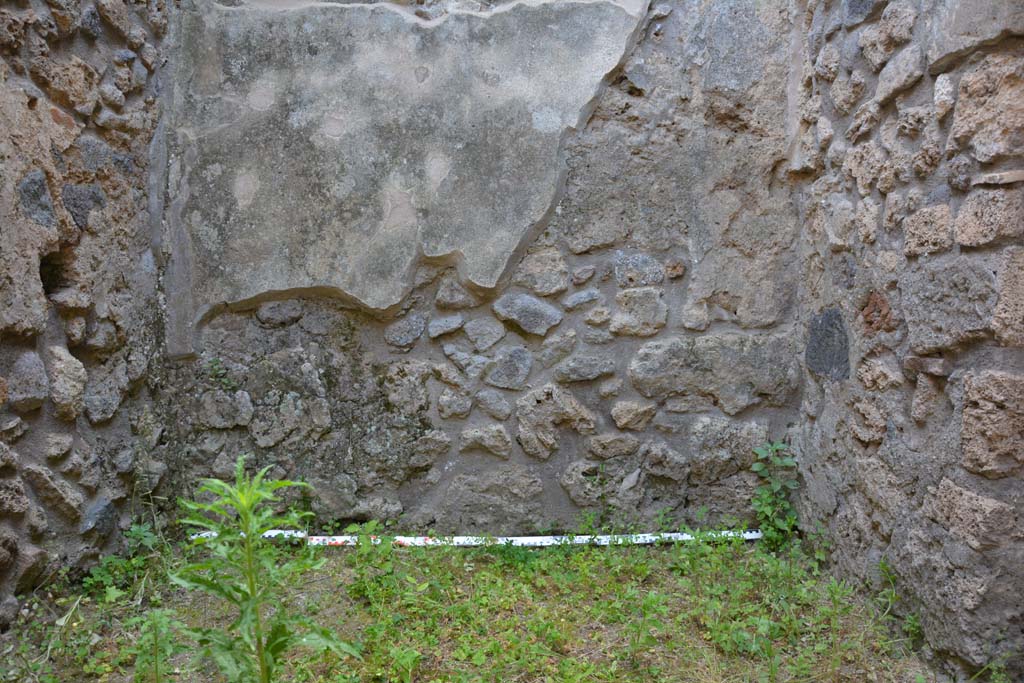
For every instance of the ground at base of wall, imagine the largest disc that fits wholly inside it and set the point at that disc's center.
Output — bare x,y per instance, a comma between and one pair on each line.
696,612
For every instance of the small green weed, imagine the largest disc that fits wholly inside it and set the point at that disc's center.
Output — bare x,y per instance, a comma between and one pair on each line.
219,374
775,513
248,572
156,644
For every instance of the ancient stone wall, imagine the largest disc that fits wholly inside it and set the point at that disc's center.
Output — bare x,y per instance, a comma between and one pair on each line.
447,298
79,322
912,433
623,367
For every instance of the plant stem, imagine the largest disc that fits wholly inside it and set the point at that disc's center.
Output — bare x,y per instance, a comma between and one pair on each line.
250,578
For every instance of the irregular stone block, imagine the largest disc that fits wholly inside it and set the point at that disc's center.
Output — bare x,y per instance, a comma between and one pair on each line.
56,446
826,66
28,383
637,269
641,312
928,230
105,390
92,25
1000,178
427,449
584,367
992,428
222,410
67,382
494,404
453,404
582,298
541,411
1008,319
596,317
8,458
661,460
492,438
404,332
279,313
452,295
947,302
989,115
13,501
735,371
54,493
633,415
944,96
878,42
71,83
721,448
276,418
902,71
871,427
556,348
610,387
510,368
484,333
65,14
877,314
939,367
424,171
115,13
444,325
608,446
99,518
864,164
471,364
876,374
857,11
529,313
582,275
543,272
504,499
989,215
80,200
583,482
846,91
982,522
828,347
927,391
34,198
12,428
8,555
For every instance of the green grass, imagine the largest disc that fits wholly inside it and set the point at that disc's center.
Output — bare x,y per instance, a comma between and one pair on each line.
702,611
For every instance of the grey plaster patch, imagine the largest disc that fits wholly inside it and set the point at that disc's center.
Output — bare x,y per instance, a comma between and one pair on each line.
79,200
329,147
828,346
34,197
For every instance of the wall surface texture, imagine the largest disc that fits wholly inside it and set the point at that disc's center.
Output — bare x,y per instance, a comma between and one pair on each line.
534,263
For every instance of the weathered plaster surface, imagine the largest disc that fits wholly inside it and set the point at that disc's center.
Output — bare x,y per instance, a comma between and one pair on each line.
331,147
